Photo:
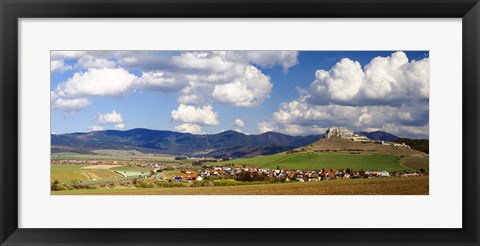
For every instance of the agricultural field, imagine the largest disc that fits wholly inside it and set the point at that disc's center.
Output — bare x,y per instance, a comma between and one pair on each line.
376,186
83,173
313,161
119,155
414,162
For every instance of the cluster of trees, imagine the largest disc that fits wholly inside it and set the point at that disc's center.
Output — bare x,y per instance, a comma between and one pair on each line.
416,144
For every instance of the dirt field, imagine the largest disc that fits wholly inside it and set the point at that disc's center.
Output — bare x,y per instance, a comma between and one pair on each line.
381,186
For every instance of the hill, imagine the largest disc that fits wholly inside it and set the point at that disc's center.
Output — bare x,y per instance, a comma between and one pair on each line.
317,161
416,144
230,144
379,135
336,144
168,142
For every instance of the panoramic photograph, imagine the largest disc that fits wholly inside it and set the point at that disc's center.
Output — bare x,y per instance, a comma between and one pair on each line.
239,122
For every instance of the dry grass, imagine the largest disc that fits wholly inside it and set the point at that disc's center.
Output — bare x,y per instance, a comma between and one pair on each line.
67,177
101,166
414,162
382,186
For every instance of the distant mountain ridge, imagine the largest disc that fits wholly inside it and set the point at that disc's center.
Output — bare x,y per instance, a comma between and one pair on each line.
225,144
379,135
177,143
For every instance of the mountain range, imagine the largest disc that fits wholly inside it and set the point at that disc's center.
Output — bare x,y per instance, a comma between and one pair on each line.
225,144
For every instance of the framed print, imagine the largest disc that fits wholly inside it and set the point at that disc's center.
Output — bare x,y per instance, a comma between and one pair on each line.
159,122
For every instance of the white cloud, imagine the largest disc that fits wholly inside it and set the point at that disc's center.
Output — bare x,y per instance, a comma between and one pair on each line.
190,99
190,128
110,118
113,119
66,54
226,77
59,65
405,116
286,59
96,128
120,126
190,114
158,81
90,61
389,94
341,83
248,91
291,128
389,80
69,106
266,127
97,82
239,122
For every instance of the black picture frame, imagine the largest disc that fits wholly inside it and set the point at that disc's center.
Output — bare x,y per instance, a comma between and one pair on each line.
11,11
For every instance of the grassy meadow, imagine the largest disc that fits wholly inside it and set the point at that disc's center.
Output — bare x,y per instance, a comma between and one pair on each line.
313,161
378,186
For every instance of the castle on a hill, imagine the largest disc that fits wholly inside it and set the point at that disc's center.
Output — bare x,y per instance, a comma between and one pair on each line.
345,134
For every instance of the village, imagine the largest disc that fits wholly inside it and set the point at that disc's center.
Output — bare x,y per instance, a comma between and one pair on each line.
283,175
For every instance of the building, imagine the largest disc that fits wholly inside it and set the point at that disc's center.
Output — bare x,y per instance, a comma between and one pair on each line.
345,134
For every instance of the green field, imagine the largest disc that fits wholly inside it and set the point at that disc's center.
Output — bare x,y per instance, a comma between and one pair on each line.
130,168
378,186
312,161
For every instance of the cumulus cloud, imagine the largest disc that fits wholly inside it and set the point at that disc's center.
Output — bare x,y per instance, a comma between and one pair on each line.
96,128
113,119
195,115
220,76
247,91
266,127
189,128
66,54
384,81
239,122
158,81
389,94
69,106
190,99
97,82
59,65
110,118
286,59
89,61
119,126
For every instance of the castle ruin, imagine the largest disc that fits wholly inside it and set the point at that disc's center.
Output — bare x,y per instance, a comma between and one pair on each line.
345,134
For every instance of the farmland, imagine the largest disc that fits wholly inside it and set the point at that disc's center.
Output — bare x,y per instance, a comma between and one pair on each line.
414,162
83,173
123,172
119,155
385,186
311,161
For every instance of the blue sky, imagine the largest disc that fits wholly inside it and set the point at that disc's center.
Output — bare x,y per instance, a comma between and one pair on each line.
293,92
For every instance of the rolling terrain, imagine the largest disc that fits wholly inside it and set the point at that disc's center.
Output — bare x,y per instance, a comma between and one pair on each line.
175,143
318,161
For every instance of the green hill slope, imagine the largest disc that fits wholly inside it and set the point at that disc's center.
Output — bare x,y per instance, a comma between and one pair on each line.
312,161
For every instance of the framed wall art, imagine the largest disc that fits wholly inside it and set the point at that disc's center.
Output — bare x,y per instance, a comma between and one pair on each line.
239,122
